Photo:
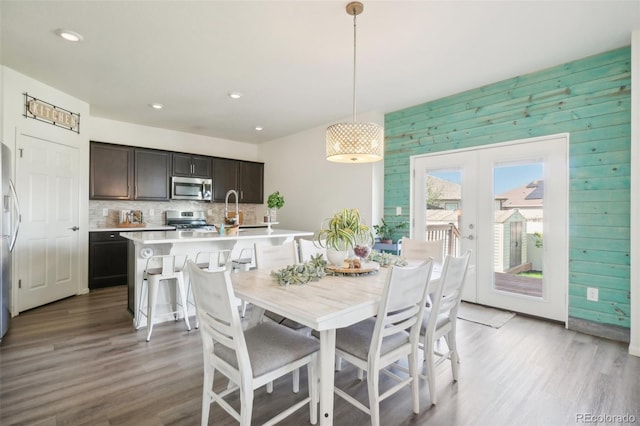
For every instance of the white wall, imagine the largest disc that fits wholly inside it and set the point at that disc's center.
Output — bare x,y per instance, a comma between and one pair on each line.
104,130
315,188
14,85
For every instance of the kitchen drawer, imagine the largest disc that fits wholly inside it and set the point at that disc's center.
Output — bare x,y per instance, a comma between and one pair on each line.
105,236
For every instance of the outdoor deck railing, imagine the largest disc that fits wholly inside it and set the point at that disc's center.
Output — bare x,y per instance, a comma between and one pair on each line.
449,233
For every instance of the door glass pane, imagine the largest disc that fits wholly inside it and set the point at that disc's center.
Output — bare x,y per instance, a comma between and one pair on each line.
444,208
518,191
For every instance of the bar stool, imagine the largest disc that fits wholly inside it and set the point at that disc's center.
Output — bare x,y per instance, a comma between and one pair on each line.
212,261
244,260
162,268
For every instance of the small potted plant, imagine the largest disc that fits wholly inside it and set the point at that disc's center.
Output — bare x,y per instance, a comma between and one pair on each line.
275,201
343,231
385,231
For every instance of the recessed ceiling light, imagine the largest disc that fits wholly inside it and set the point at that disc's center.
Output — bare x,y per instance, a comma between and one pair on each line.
69,35
235,95
259,128
156,105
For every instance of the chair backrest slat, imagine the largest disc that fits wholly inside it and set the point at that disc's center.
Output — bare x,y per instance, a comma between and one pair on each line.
221,334
400,320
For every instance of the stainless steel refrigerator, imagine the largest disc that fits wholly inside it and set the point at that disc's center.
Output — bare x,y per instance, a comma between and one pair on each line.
9,223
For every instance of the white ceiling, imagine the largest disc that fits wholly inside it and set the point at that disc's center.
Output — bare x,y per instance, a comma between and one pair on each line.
292,60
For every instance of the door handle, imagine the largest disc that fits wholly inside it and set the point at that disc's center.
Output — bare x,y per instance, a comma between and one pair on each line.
74,228
468,237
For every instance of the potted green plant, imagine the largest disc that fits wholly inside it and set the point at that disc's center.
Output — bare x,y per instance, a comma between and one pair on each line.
275,201
386,230
343,232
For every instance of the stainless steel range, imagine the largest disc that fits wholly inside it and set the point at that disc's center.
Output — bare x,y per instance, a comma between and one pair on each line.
185,220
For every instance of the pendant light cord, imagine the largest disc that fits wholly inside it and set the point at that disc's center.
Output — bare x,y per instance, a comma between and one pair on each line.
354,66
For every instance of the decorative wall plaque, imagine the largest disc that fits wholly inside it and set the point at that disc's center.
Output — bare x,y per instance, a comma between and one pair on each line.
49,113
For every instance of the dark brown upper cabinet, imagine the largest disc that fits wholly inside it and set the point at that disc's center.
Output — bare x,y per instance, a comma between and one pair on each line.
251,182
246,177
111,172
119,172
225,177
152,174
188,165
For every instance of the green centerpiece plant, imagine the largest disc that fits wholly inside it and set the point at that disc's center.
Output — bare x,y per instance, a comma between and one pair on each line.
344,231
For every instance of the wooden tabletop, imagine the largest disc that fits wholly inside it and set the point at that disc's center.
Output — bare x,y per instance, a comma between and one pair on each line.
331,302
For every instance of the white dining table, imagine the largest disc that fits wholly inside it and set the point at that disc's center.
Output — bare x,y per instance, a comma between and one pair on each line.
325,305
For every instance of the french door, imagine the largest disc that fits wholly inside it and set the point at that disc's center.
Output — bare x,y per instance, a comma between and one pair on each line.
508,203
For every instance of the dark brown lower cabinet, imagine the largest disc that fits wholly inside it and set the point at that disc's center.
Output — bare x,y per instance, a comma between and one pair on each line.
107,259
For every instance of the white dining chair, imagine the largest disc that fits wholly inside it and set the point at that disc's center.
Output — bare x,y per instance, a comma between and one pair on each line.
377,343
310,248
440,320
420,249
275,257
212,261
249,359
158,269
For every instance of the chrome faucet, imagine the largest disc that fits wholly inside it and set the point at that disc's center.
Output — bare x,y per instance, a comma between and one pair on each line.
226,205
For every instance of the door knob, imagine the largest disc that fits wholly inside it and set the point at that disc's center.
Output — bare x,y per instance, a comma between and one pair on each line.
468,237
74,228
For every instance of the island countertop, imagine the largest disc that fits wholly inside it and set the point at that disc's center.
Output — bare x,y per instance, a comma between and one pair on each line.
134,228
163,237
186,244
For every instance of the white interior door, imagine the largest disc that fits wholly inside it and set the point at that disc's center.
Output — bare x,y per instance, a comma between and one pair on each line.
48,243
509,204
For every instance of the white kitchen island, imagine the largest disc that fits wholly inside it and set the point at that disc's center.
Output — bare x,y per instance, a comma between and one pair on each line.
142,245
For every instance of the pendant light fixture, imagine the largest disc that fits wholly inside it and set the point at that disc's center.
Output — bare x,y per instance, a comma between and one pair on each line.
355,142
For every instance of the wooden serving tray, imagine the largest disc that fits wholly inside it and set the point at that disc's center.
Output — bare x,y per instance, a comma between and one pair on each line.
368,267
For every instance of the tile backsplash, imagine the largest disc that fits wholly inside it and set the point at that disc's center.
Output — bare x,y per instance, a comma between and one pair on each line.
251,212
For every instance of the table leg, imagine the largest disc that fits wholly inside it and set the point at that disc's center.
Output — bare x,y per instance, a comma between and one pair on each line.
256,316
327,360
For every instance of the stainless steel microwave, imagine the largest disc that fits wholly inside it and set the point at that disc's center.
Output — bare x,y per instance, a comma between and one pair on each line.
186,188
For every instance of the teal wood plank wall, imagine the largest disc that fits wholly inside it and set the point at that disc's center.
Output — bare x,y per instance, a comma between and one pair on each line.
591,100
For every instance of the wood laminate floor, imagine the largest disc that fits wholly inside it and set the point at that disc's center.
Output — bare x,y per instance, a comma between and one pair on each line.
80,362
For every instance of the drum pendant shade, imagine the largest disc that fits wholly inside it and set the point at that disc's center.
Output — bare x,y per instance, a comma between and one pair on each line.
354,142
